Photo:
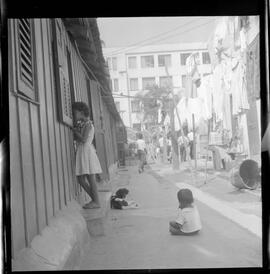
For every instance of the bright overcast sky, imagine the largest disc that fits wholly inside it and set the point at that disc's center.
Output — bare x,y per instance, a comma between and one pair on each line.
122,32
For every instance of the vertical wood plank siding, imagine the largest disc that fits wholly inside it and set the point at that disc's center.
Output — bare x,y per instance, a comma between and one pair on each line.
43,119
27,167
42,156
18,224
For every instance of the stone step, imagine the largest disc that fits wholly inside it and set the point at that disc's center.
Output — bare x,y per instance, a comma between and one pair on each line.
96,217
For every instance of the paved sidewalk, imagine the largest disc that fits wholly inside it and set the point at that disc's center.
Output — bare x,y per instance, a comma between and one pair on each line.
140,238
217,185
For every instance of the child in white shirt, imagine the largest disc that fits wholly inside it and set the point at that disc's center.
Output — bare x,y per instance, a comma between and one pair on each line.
188,221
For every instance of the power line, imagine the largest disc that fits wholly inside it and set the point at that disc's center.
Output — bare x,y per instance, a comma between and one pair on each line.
195,27
150,38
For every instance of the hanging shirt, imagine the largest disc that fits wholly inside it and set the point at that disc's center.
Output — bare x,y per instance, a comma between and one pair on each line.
190,136
160,141
141,144
218,92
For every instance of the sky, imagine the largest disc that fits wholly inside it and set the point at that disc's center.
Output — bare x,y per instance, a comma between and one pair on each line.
126,31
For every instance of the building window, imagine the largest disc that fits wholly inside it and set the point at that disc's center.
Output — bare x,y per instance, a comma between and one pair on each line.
117,104
109,64
147,61
134,84
132,62
114,63
165,81
26,58
184,79
206,58
115,85
164,60
62,72
148,82
137,126
184,57
135,106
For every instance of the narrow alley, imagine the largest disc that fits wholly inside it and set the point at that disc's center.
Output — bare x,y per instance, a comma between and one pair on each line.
140,238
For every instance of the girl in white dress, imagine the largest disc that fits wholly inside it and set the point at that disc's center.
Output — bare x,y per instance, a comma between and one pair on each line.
87,162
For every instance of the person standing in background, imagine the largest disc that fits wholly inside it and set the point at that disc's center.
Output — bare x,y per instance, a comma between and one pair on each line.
191,144
141,150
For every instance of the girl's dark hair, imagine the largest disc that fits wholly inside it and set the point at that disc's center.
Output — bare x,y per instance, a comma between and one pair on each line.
121,193
185,197
81,106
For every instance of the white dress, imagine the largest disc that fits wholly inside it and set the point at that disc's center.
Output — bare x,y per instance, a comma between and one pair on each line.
87,161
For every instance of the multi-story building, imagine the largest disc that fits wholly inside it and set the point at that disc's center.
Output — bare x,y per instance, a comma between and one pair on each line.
135,69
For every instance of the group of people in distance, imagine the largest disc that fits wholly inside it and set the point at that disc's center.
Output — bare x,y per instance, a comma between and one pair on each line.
185,143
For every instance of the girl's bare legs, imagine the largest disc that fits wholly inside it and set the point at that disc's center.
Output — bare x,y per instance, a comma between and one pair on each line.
89,185
82,180
93,188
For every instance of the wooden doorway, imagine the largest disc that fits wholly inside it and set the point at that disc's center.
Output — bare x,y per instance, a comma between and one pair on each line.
100,144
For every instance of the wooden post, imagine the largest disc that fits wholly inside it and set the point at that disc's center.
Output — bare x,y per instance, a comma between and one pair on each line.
207,149
194,141
164,156
182,134
175,154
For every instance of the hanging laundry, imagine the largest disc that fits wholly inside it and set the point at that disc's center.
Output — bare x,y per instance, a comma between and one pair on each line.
204,92
257,66
218,92
159,116
227,115
250,73
226,67
211,50
188,87
238,89
243,87
243,40
196,107
237,27
193,77
167,120
183,112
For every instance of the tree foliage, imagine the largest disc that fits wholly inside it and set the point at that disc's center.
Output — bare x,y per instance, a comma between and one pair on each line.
156,98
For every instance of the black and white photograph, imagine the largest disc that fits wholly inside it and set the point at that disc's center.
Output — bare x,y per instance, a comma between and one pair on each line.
135,142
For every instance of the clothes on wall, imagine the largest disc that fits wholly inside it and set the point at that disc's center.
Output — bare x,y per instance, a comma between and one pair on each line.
238,88
253,69
204,92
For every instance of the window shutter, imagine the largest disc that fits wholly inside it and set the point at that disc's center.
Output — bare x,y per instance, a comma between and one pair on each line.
25,57
61,73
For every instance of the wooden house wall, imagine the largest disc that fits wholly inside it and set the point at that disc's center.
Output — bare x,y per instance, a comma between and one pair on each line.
42,156
109,136
40,153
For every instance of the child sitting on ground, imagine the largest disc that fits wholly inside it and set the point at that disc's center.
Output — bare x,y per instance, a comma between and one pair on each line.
188,221
119,201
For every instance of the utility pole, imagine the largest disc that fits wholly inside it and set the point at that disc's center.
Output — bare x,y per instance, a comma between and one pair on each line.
175,150
194,141
129,104
164,156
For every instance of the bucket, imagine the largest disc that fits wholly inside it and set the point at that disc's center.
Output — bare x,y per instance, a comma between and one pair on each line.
248,175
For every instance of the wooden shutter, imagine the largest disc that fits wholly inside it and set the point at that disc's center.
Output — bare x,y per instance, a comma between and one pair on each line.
25,57
62,73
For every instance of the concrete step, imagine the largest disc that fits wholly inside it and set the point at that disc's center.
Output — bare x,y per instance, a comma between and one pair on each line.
95,218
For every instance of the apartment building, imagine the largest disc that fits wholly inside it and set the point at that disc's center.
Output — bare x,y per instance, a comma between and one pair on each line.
133,70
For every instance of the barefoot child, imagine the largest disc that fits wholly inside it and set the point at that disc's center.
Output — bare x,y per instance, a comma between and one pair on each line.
188,221
87,163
